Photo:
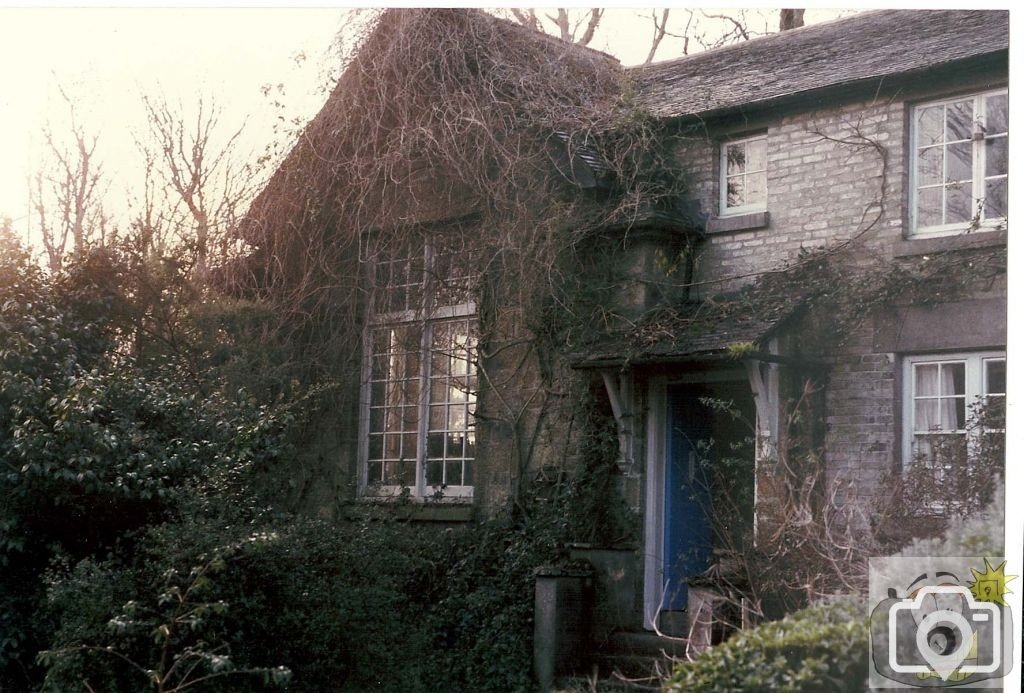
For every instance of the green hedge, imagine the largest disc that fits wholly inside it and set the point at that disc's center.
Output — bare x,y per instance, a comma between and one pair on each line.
821,648
354,606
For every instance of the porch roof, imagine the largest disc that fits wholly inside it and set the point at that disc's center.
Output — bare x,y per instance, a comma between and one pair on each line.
720,327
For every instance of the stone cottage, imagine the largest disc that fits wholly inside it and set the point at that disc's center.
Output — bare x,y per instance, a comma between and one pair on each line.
838,249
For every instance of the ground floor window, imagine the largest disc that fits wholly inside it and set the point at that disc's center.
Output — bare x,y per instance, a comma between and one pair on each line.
950,401
420,382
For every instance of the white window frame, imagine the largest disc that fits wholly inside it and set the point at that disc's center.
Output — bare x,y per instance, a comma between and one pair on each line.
427,317
723,164
975,366
977,170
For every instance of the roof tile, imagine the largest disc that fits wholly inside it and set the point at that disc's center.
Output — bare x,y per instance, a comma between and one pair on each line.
865,46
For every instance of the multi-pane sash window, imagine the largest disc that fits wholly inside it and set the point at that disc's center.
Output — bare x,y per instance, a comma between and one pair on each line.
945,396
744,175
421,380
960,150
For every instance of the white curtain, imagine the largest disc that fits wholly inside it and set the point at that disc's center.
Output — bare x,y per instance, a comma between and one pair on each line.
938,382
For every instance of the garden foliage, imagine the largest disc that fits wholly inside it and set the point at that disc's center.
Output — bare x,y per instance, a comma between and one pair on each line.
137,553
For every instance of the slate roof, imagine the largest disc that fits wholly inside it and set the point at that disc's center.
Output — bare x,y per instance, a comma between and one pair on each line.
695,331
842,52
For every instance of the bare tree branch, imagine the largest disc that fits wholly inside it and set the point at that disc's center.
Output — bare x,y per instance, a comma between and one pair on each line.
595,18
527,17
67,192
659,33
199,170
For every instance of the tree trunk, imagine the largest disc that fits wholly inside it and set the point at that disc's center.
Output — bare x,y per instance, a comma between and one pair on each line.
790,19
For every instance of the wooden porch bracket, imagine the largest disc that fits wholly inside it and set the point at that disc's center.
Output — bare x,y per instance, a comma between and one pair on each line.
620,394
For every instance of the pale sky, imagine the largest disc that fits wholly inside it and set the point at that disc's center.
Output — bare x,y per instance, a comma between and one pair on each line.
105,59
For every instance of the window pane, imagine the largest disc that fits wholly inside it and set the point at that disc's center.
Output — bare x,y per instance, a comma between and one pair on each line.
376,419
757,154
926,380
437,418
736,158
959,162
996,113
734,192
378,392
435,473
926,415
939,414
952,381
397,473
959,120
392,446
995,377
453,473
929,125
376,447
757,192
467,473
457,417
959,408
929,207
410,415
929,166
453,273
435,445
412,366
959,203
379,368
995,414
922,447
996,154
409,446
995,198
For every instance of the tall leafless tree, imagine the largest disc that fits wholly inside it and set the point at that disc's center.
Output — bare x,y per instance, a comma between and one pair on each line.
67,191
575,28
697,29
208,189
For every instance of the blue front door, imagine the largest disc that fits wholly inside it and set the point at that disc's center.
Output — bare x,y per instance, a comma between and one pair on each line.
687,493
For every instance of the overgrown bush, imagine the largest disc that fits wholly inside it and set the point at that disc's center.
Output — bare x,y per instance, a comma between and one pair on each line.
821,648
957,481
336,607
347,607
101,434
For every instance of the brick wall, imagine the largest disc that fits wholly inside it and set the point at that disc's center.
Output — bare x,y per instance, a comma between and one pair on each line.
825,179
829,168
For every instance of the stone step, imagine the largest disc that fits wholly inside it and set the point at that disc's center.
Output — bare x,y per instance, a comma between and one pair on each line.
643,659
634,670
642,643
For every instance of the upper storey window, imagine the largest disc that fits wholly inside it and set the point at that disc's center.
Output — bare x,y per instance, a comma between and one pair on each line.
744,181
960,151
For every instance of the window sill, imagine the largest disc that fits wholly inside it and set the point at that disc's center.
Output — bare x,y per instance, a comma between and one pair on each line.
739,222
938,244
417,510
